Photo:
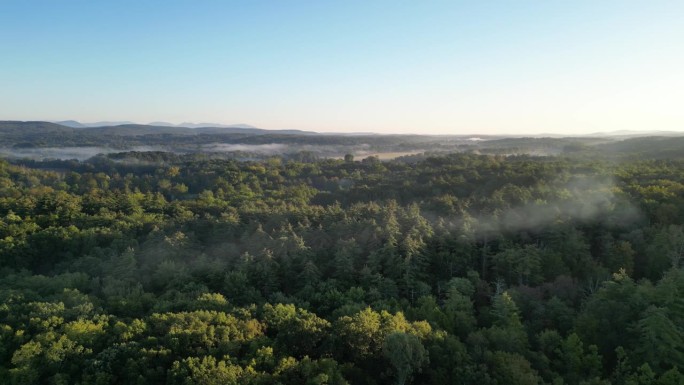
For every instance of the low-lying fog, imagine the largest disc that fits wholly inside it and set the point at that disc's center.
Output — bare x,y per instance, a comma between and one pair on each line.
323,151
80,153
271,148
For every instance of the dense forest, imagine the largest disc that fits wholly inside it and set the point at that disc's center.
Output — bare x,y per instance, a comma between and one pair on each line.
462,268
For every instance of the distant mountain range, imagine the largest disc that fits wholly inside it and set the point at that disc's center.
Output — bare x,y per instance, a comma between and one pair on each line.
76,124
632,134
126,128
200,125
32,136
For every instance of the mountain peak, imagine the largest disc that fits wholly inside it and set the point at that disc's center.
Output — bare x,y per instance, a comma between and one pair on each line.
71,123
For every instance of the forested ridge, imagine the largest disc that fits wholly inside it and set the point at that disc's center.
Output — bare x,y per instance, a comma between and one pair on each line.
451,269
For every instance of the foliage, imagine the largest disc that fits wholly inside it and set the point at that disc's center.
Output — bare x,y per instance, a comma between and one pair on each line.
457,268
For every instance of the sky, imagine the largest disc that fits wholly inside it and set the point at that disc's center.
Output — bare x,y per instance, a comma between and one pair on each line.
427,67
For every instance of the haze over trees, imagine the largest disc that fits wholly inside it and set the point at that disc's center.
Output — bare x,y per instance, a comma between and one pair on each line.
182,268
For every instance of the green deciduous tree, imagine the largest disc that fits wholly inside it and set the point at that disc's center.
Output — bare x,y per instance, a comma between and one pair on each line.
405,353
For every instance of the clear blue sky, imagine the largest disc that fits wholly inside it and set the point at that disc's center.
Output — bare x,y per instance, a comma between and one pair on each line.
384,66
